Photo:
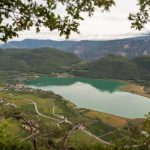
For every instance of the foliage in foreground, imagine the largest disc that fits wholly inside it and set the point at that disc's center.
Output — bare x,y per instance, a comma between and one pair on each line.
23,15
137,138
51,136
12,142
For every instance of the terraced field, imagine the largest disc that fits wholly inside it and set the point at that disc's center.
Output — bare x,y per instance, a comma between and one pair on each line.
52,113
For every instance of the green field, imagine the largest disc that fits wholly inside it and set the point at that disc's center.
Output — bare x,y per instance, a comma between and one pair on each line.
51,107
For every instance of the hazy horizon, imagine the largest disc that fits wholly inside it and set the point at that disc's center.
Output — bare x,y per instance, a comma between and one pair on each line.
111,39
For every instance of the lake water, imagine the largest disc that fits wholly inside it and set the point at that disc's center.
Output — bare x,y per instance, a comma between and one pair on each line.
99,95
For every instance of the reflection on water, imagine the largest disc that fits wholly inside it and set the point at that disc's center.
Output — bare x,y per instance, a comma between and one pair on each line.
103,85
99,95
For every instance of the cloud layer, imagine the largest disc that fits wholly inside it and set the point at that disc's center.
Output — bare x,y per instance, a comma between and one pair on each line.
101,26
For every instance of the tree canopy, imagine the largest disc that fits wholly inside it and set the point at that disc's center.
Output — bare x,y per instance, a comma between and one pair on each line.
138,137
22,15
142,17
19,15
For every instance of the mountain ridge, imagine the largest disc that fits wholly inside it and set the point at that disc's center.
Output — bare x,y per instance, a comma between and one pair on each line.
90,50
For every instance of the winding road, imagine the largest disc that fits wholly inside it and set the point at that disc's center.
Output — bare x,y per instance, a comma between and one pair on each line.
40,114
59,121
96,137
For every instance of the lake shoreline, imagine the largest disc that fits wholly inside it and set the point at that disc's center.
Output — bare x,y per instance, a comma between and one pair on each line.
130,86
135,88
105,88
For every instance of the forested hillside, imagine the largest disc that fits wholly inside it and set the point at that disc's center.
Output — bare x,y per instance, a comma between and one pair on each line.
45,60
116,67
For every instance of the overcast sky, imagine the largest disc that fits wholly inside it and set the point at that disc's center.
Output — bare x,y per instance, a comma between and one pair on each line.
101,26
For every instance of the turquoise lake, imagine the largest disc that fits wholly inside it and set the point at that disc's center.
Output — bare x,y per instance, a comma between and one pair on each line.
99,95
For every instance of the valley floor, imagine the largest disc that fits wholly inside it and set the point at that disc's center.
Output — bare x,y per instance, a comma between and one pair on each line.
49,112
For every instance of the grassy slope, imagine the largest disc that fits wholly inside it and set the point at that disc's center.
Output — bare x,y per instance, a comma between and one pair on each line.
45,105
114,121
81,140
96,122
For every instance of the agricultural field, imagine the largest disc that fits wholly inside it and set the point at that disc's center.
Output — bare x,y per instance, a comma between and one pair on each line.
51,113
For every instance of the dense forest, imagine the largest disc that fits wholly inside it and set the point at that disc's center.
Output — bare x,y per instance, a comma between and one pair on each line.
116,67
45,60
48,60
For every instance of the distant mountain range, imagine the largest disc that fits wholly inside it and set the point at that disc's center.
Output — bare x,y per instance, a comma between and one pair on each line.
90,50
36,43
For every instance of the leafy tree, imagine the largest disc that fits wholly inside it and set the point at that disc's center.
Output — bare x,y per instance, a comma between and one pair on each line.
12,142
11,112
142,17
138,137
19,15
